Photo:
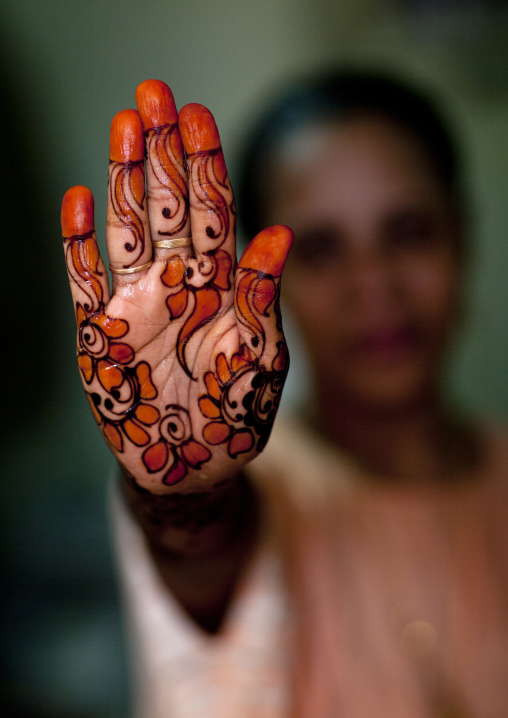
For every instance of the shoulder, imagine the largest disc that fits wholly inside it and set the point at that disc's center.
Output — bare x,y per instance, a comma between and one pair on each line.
302,464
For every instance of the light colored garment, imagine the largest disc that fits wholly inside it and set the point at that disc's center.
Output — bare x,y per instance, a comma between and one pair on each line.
182,672
400,592
398,596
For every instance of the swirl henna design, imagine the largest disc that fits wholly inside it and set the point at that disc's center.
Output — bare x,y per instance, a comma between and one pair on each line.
116,388
177,446
210,184
165,154
127,195
82,260
246,424
204,300
126,206
199,290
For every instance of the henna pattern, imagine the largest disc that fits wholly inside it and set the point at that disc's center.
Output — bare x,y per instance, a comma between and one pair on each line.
188,289
234,390
116,388
82,262
208,174
200,292
165,154
176,446
246,425
127,195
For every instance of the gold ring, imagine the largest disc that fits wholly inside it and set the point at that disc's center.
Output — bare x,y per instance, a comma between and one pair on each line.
173,243
132,270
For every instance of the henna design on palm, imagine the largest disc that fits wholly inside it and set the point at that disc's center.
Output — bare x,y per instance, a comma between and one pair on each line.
184,364
247,424
117,388
176,447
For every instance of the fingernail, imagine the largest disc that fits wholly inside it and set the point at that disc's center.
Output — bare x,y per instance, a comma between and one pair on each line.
156,104
77,211
126,141
198,129
268,250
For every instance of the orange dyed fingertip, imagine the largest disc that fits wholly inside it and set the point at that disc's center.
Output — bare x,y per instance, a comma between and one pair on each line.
126,139
156,105
268,251
77,211
198,129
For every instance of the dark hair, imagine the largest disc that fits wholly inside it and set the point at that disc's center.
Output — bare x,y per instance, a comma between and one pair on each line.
340,95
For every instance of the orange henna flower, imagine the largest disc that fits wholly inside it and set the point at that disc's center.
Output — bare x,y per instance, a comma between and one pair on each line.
117,391
176,446
242,426
225,414
119,407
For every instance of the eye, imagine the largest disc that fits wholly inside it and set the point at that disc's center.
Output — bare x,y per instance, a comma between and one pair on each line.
411,230
316,247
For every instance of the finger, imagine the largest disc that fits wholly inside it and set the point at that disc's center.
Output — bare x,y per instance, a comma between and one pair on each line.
210,196
257,295
127,231
87,274
166,173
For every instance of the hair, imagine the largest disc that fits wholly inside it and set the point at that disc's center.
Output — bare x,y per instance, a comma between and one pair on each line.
337,96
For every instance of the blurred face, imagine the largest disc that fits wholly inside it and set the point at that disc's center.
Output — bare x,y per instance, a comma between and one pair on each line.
373,275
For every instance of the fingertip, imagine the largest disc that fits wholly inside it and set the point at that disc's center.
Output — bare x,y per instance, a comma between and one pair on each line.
155,104
268,251
126,139
198,129
77,211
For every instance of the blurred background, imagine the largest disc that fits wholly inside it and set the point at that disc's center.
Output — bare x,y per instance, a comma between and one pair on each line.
66,68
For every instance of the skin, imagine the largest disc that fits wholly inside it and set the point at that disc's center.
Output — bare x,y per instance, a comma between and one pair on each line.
377,251
183,362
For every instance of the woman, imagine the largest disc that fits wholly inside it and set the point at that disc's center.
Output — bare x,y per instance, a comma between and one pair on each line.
366,174
385,512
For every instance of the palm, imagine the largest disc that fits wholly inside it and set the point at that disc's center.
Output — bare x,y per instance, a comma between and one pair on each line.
183,366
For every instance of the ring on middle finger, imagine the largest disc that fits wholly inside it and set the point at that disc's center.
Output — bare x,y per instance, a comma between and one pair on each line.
175,243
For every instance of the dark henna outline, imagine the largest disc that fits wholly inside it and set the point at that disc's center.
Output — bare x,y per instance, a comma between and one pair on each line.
79,250
207,298
176,441
121,185
206,183
161,143
237,426
255,292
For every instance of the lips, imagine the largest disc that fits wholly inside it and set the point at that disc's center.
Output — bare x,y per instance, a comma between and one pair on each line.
385,345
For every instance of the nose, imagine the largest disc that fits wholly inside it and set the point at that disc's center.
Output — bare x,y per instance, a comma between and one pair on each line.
368,278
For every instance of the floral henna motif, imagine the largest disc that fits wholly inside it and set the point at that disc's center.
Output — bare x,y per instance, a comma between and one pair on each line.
117,389
246,424
165,154
127,195
176,447
199,293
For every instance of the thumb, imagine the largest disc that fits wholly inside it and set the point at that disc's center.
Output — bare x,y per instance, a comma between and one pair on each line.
257,293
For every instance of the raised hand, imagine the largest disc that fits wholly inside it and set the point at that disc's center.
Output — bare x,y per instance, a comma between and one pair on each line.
184,362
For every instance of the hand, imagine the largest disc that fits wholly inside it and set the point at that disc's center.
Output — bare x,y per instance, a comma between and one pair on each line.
184,362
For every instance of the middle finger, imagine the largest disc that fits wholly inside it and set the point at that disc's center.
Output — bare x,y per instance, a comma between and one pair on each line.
166,174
